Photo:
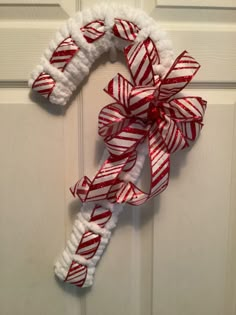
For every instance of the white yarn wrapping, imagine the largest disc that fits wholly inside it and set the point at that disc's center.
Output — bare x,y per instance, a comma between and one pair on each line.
81,225
78,68
67,81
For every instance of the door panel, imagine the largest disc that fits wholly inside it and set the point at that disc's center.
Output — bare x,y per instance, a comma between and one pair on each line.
198,3
173,256
26,27
32,205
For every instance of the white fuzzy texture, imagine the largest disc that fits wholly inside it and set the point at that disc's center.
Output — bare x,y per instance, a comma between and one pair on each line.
78,68
82,225
66,82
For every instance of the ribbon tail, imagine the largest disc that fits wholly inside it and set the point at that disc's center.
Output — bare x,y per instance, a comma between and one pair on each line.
81,188
106,182
127,140
160,168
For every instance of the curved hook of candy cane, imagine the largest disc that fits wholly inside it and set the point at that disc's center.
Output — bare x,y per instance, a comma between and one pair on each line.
84,38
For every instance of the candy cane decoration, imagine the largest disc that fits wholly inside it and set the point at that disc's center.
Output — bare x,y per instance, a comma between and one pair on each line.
146,118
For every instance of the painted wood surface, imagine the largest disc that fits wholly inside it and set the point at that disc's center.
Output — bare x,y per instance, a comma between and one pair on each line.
173,256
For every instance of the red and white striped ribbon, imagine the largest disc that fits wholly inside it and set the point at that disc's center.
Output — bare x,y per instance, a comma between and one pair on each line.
144,110
140,59
67,49
88,246
93,30
125,29
64,53
44,84
179,75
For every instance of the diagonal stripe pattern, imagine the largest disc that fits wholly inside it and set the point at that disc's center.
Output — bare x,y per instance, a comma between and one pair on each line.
93,30
88,246
64,53
125,29
179,75
140,59
44,84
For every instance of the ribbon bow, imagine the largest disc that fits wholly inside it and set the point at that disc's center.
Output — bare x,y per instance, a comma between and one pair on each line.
144,111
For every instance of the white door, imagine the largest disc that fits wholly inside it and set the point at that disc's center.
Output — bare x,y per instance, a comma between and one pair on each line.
175,255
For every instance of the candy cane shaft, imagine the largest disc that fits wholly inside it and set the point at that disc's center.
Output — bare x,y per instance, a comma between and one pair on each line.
90,235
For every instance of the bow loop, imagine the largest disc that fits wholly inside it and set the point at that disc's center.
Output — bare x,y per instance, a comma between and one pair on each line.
184,109
119,89
111,120
172,135
179,75
140,100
